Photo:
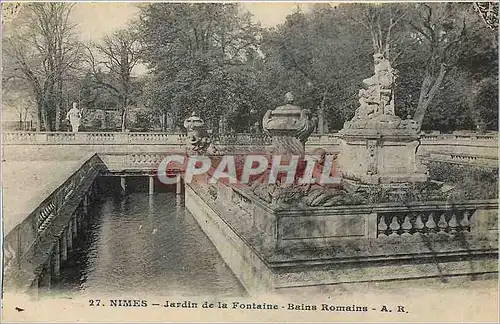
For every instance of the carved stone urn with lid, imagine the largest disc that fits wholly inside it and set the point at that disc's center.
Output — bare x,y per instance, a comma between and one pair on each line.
290,126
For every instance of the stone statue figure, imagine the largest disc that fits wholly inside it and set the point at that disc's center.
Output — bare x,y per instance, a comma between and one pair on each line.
282,196
386,77
197,139
376,99
255,128
74,116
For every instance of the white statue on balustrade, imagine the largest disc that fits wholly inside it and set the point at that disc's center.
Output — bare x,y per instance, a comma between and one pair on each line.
74,116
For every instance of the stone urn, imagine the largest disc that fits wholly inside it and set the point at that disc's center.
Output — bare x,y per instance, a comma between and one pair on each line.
289,126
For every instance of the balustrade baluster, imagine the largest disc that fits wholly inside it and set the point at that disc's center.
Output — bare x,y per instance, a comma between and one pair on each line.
442,224
464,222
431,224
419,224
407,225
453,223
394,226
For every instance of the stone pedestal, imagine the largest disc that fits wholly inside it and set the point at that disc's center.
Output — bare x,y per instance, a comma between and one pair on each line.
378,156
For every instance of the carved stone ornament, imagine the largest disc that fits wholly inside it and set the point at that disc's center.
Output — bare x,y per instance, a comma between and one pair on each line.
289,126
197,139
376,101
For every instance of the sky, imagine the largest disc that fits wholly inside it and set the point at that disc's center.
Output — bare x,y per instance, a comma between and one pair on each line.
97,19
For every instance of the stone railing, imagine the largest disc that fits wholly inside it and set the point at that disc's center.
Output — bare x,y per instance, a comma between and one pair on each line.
372,231
20,137
437,218
463,158
144,160
476,149
25,236
141,161
460,137
243,139
40,138
478,145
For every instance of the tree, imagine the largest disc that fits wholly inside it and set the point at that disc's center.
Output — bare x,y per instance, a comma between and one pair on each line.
39,48
383,22
443,31
195,53
432,42
117,54
320,56
16,96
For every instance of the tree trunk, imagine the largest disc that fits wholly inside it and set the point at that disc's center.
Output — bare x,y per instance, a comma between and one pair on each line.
427,93
476,86
124,116
321,114
59,104
39,108
58,117
163,121
46,120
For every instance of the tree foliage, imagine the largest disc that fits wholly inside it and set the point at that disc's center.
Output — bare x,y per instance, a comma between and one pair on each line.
197,55
43,54
111,64
214,59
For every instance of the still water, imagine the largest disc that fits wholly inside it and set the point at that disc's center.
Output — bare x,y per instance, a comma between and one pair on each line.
149,244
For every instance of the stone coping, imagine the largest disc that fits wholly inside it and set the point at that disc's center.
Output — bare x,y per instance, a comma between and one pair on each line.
370,208
26,185
12,137
31,263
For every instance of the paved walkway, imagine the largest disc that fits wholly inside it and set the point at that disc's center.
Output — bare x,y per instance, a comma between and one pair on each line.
26,184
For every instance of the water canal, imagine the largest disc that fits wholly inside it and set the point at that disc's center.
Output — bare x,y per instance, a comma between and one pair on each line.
145,244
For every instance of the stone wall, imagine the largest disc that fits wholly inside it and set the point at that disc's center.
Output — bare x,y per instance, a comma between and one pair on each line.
320,248
29,244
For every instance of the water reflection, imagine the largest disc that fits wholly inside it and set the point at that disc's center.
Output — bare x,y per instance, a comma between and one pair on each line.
151,244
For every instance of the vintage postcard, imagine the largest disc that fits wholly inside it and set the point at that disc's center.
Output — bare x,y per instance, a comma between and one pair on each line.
249,161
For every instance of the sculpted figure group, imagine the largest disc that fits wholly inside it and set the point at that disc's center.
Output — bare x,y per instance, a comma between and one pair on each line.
376,100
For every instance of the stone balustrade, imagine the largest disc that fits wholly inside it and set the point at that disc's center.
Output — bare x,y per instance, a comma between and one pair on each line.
82,138
19,137
472,148
324,226
462,158
320,247
30,243
144,160
459,137
414,222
